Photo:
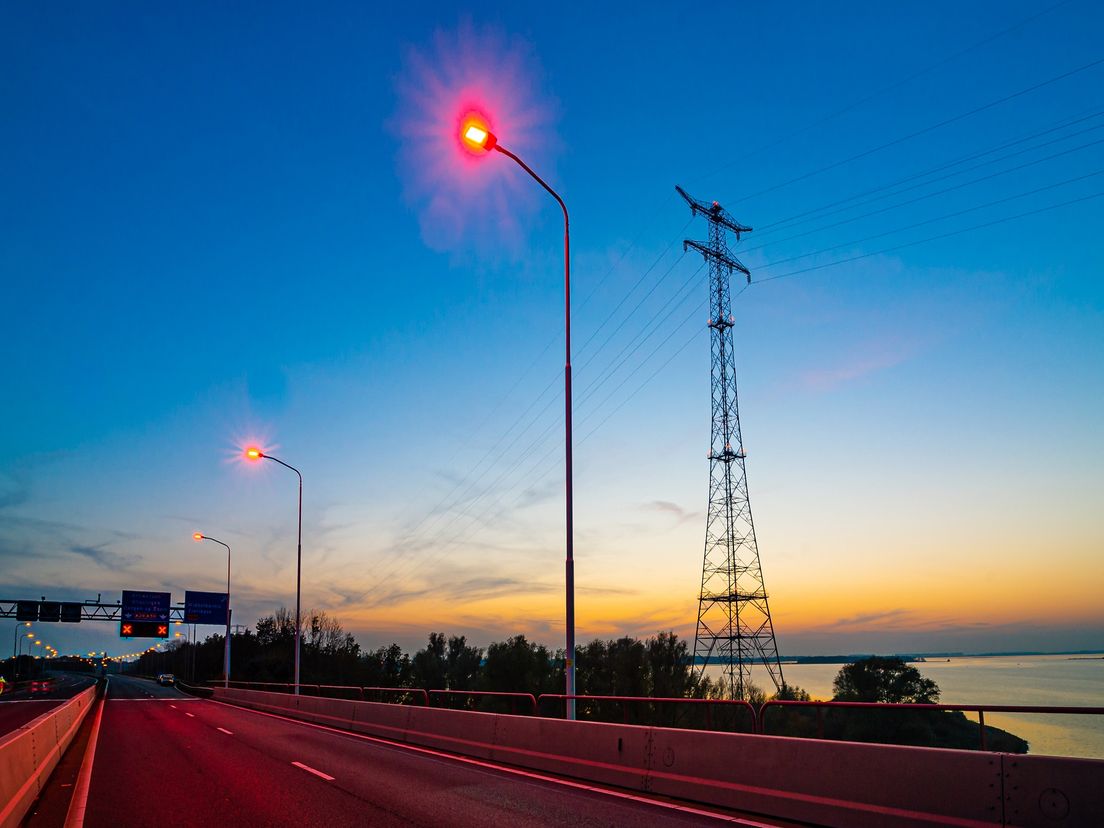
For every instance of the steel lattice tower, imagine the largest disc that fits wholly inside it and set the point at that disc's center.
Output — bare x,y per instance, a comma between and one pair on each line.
734,621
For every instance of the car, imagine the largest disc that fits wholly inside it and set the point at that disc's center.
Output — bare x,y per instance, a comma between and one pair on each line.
166,679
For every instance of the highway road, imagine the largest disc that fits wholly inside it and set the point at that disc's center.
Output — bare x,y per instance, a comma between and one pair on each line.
163,758
21,706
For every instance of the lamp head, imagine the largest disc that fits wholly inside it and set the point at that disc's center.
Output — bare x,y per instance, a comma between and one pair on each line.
197,536
253,453
476,136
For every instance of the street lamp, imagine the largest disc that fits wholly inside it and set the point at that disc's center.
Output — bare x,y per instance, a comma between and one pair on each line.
15,635
20,649
199,536
255,454
478,137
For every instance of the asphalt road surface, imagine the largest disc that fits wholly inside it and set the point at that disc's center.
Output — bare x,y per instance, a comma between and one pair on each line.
166,759
17,708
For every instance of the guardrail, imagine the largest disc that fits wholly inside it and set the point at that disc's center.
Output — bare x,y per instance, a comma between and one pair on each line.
493,694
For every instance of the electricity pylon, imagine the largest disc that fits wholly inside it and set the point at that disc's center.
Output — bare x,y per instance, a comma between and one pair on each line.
734,620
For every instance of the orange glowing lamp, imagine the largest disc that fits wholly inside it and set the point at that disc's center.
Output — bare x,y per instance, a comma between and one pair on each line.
253,453
197,536
477,137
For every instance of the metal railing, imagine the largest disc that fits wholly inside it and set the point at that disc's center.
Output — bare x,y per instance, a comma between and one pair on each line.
333,691
589,705
529,698
822,707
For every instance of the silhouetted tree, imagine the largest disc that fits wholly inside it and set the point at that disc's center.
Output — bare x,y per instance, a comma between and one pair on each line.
462,664
429,667
517,666
883,679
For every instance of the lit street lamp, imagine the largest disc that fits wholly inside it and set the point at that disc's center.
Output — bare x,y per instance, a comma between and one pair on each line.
20,649
253,453
199,536
478,137
15,635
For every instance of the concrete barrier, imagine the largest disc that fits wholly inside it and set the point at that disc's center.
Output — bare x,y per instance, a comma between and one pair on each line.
29,754
1053,791
829,783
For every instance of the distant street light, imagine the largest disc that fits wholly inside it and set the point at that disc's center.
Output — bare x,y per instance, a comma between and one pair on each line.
20,649
15,635
255,454
477,136
199,536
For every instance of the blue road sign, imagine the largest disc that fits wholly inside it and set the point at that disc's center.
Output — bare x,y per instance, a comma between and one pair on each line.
204,607
146,606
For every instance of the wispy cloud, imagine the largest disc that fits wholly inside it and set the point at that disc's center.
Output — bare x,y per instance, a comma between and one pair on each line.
103,556
871,358
15,490
887,618
476,588
670,508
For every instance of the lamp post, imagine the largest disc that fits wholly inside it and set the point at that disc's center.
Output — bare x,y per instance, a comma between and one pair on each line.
478,137
256,454
15,635
20,650
199,536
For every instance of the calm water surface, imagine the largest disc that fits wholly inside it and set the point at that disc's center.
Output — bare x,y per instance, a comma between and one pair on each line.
1059,681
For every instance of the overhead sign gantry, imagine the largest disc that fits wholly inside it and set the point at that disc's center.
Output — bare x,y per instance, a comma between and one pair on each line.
141,614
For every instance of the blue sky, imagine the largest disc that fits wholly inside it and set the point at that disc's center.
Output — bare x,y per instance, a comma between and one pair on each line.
222,224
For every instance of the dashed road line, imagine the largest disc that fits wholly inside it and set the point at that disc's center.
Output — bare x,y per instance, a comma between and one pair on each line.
309,769
190,715
224,730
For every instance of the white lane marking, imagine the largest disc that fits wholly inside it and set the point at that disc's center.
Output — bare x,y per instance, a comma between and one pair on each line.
309,769
190,715
173,706
503,769
224,730
74,817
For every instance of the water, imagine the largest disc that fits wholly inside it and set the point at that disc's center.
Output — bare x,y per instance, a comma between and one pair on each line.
1050,681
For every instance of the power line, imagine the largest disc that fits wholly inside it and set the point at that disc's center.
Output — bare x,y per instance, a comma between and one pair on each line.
942,217
930,128
932,238
895,85
824,209
648,330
